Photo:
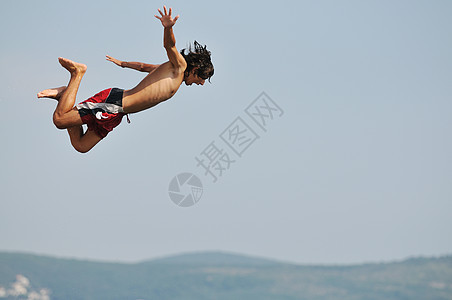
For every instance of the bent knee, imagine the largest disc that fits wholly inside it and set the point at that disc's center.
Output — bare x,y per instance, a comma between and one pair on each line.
66,120
81,147
58,121
83,150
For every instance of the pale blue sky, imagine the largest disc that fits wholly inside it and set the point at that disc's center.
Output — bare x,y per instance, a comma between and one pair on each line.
359,167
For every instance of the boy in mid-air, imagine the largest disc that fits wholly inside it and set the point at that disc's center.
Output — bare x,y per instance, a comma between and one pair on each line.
105,110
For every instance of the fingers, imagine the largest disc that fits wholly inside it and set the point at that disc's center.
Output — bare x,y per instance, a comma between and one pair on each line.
113,60
166,12
166,15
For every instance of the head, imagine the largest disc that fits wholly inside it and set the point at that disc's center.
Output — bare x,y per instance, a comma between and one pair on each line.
199,66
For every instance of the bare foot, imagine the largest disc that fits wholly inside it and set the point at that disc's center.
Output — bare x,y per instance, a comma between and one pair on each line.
54,93
72,66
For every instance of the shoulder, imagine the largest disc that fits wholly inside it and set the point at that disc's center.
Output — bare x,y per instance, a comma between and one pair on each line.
180,62
176,58
178,67
168,69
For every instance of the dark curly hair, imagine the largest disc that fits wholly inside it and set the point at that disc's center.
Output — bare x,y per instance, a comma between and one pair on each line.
198,57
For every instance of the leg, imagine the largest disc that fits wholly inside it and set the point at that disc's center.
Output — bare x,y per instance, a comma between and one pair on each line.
65,116
82,142
55,93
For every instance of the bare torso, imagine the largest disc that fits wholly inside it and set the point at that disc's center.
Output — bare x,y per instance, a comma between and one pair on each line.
159,85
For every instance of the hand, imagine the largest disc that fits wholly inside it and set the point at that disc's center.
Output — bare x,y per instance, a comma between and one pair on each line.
166,19
114,60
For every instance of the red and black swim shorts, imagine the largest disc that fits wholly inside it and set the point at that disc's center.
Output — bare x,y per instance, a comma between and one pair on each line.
103,111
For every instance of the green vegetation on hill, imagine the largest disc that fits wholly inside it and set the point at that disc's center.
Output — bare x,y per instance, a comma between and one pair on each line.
227,276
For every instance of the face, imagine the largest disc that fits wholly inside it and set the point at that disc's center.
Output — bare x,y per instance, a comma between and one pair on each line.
193,78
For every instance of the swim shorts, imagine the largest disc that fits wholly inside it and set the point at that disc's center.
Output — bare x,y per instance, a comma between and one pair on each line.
103,111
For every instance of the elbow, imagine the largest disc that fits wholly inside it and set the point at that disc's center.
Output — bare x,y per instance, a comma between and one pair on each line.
169,45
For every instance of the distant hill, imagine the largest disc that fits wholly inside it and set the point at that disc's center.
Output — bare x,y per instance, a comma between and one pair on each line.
220,276
214,258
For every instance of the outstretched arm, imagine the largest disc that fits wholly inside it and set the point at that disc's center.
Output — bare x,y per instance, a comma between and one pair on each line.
142,67
169,42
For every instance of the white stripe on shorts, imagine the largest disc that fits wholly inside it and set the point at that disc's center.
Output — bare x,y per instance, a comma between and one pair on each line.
105,107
